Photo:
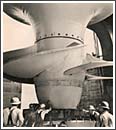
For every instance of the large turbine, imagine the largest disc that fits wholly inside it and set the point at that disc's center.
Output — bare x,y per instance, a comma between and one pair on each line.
59,46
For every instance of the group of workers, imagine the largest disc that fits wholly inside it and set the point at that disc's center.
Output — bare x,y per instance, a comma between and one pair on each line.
101,115
13,116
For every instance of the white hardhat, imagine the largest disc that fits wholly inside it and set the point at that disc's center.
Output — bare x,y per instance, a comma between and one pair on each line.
15,100
91,107
42,106
105,104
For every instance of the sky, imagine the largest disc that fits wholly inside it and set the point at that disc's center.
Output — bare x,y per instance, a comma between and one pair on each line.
16,36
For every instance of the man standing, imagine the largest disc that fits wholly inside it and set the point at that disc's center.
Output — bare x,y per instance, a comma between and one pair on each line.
93,114
106,118
13,116
31,116
41,114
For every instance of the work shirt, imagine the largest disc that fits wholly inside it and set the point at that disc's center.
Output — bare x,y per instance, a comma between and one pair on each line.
106,119
44,112
94,115
16,117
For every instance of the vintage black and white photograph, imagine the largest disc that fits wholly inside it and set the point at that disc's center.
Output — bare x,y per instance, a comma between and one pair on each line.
57,64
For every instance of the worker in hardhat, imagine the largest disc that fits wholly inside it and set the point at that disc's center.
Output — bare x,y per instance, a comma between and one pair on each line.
94,115
106,118
13,116
42,111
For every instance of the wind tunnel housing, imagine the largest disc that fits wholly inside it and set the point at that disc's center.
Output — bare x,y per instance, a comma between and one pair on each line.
59,30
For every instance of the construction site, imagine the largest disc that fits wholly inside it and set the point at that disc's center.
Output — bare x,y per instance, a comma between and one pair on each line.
69,63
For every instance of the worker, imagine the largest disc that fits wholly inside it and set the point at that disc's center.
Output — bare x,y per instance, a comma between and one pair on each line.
13,116
42,111
30,117
106,118
93,114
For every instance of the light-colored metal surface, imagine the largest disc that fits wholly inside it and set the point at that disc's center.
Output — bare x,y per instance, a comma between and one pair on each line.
93,77
53,60
59,30
65,97
58,19
42,17
90,62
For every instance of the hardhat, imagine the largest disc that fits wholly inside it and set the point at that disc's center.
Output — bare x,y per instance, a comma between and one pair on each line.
91,107
105,104
42,106
15,100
